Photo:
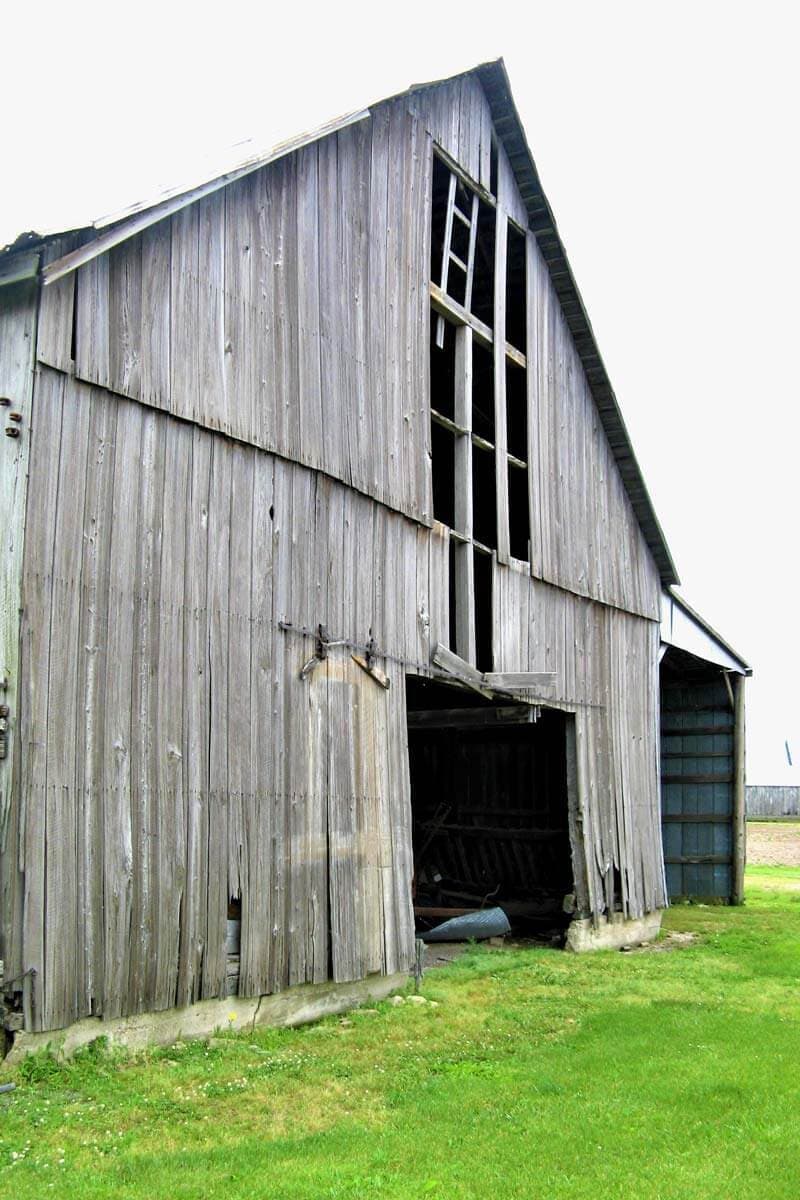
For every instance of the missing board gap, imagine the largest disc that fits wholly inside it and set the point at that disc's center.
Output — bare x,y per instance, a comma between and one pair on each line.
443,474
516,289
517,411
484,497
452,596
443,367
518,512
482,305
483,585
440,185
482,392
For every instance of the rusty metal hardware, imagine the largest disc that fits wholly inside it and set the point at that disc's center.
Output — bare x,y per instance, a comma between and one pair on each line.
15,416
4,402
12,431
4,710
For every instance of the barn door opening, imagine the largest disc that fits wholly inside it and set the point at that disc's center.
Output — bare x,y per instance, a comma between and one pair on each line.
489,806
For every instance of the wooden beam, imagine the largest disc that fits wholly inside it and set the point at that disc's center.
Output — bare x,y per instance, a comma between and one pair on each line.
471,718
458,315
516,681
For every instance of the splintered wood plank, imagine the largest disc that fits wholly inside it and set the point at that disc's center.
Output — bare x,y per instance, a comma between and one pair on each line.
171,776
376,299
256,934
498,349
219,598
246,332
62,924
46,421
296,724
239,652
196,725
309,382
402,852
118,815
17,346
186,334
369,721
318,735
439,585
395,301
533,268
420,320
355,146
285,267
146,584
54,331
344,850
92,298
336,458
125,286
91,666
216,410
281,674
156,350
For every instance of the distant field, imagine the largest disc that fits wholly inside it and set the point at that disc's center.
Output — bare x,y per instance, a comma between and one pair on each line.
773,843
669,1073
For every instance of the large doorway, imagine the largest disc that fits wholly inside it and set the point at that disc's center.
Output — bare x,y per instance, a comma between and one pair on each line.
490,810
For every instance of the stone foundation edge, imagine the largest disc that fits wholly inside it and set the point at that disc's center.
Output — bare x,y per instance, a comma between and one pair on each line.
295,1006
612,933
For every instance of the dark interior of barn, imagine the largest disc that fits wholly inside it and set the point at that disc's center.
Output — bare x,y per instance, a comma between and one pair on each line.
489,805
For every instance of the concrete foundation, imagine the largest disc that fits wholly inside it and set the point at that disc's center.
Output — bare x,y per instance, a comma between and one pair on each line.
295,1006
612,933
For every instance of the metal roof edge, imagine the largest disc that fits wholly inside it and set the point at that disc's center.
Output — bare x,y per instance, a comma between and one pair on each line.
675,596
119,228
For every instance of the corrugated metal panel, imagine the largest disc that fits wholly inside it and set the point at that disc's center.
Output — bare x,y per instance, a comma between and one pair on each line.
697,765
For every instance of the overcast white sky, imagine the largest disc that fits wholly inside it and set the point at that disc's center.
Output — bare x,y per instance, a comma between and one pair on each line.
666,138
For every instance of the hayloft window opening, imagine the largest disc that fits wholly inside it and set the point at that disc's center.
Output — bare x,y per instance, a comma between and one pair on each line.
462,246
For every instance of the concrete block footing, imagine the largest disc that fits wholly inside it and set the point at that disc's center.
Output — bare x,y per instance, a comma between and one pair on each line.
295,1006
612,933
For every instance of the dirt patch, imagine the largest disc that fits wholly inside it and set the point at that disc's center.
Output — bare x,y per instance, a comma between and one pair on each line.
670,941
773,843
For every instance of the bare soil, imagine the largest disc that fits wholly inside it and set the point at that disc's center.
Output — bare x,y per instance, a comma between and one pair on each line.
773,843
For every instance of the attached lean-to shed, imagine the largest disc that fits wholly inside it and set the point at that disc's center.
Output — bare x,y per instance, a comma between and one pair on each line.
702,758
331,587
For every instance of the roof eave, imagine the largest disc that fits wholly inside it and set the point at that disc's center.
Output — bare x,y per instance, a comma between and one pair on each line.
494,80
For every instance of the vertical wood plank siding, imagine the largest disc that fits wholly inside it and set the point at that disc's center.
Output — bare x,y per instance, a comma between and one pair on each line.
231,419
290,310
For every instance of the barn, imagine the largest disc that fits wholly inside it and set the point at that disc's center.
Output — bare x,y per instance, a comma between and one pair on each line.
331,587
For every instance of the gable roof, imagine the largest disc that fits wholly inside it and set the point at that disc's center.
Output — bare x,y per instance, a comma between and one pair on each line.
110,231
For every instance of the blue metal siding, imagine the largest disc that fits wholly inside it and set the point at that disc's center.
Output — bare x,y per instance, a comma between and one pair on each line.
697,790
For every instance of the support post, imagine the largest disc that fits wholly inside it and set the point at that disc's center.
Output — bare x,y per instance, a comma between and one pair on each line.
738,848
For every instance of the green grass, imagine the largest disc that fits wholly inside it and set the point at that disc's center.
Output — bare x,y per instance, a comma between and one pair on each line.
645,1076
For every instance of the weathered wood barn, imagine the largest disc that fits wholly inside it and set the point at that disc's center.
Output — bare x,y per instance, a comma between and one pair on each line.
331,588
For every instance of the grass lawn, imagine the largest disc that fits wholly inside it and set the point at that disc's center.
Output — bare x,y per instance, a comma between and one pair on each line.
653,1075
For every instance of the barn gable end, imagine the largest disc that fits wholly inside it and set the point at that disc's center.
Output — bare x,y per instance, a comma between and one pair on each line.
235,532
